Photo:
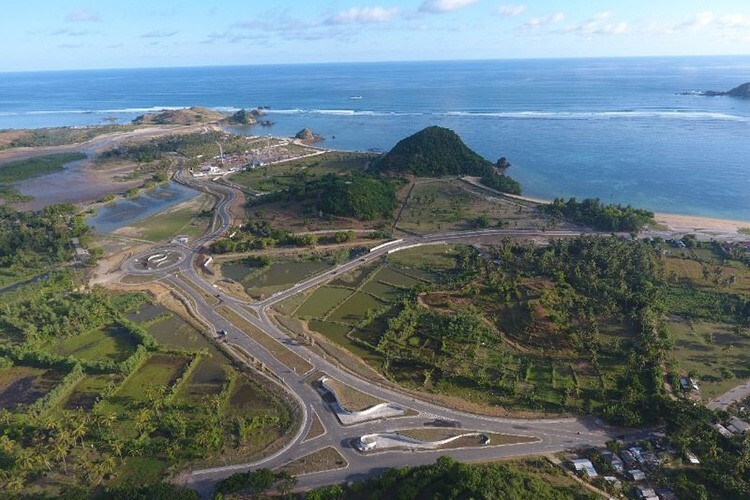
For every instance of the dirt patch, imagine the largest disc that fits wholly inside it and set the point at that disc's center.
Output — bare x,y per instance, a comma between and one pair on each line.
318,461
350,398
316,428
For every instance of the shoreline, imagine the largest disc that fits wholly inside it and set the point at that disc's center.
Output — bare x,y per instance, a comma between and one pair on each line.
702,226
667,224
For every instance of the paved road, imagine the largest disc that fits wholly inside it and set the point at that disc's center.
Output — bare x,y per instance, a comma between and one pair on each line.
553,434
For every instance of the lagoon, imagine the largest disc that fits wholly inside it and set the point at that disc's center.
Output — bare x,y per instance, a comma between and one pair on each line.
124,212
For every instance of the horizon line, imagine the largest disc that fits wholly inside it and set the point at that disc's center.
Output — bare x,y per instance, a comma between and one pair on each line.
405,61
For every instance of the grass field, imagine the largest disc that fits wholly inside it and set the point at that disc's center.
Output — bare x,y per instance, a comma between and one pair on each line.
355,308
112,342
450,204
713,351
262,282
21,170
159,371
429,258
274,177
322,301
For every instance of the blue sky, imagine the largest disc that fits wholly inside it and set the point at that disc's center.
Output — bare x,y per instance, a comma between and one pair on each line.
72,34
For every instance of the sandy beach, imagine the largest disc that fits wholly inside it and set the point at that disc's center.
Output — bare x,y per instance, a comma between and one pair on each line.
671,225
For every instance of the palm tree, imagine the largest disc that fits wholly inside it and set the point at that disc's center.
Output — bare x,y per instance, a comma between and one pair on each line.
15,484
26,459
7,445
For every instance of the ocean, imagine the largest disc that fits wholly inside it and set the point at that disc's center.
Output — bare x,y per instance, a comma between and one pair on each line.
616,129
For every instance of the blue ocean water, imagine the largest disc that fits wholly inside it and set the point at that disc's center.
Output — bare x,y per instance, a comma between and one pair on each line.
616,129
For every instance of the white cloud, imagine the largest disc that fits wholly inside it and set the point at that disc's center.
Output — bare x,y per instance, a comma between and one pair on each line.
699,21
599,25
510,10
735,21
538,22
438,6
83,15
362,15
159,34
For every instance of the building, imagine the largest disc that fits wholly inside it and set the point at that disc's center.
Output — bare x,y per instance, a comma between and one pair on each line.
646,493
637,475
584,465
692,458
738,426
615,461
629,459
723,431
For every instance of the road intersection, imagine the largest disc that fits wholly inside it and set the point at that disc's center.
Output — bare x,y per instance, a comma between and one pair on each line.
552,435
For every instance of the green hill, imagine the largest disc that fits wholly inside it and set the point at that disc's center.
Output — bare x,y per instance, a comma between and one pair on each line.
433,152
437,151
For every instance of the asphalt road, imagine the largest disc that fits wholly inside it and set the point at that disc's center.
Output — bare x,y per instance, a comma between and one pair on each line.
553,434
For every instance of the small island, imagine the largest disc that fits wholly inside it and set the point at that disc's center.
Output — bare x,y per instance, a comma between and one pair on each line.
742,91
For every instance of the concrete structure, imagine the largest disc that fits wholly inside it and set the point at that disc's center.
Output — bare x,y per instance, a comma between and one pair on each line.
382,410
637,475
738,426
646,493
723,431
615,461
692,458
584,465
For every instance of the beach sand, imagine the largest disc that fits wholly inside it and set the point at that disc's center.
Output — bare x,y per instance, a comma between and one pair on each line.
676,225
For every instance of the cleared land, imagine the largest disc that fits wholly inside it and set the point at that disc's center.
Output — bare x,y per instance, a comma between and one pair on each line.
436,205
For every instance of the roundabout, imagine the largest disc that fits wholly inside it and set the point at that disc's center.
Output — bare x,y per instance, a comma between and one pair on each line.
155,261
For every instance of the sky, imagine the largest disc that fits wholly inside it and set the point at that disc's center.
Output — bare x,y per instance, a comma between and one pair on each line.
37,35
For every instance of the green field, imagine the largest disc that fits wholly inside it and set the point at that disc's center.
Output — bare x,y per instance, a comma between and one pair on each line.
157,372
113,342
713,352
21,170
322,301
429,258
274,177
355,308
262,282
450,205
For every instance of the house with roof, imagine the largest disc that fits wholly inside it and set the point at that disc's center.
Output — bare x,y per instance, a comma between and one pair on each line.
584,465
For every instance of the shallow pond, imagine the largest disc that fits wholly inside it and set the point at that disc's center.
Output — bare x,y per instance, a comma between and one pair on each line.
124,212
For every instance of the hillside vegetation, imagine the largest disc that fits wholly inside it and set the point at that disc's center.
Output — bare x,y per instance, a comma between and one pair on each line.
436,152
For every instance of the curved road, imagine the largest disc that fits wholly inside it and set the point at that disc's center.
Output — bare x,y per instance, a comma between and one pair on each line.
553,434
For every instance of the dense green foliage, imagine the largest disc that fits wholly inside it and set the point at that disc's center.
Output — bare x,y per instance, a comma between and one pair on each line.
552,303
156,149
433,152
594,213
725,463
501,182
37,239
255,482
21,170
449,479
260,235
158,491
359,196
